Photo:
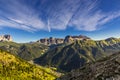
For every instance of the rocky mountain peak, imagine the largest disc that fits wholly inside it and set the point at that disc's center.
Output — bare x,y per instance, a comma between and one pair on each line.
70,39
67,39
51,40
6,38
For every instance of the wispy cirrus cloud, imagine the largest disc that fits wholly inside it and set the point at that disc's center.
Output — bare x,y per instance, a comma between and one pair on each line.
19,15
54,14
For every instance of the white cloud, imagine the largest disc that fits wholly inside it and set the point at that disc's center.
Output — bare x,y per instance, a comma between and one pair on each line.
21,17
109,17
89,18
80,14
13,24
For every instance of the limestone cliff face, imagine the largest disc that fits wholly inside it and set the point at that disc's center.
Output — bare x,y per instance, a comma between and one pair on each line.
67,39
51,40
70,39
6,38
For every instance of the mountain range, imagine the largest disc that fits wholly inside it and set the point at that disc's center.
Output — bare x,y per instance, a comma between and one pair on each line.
67,39
72,56
66,55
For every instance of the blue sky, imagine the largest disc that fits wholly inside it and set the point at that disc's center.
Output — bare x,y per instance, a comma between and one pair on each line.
30,20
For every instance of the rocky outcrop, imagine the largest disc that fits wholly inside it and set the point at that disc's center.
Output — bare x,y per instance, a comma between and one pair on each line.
51,40
6,38
68,39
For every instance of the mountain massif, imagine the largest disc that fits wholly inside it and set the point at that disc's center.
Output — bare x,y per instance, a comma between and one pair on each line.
67,39
72,56
50,41
104,69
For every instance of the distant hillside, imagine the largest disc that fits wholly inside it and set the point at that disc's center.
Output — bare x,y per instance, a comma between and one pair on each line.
105,69
14,68
110,45
27,51
72,56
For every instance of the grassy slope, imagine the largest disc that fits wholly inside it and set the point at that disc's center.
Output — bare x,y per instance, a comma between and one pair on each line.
14,68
